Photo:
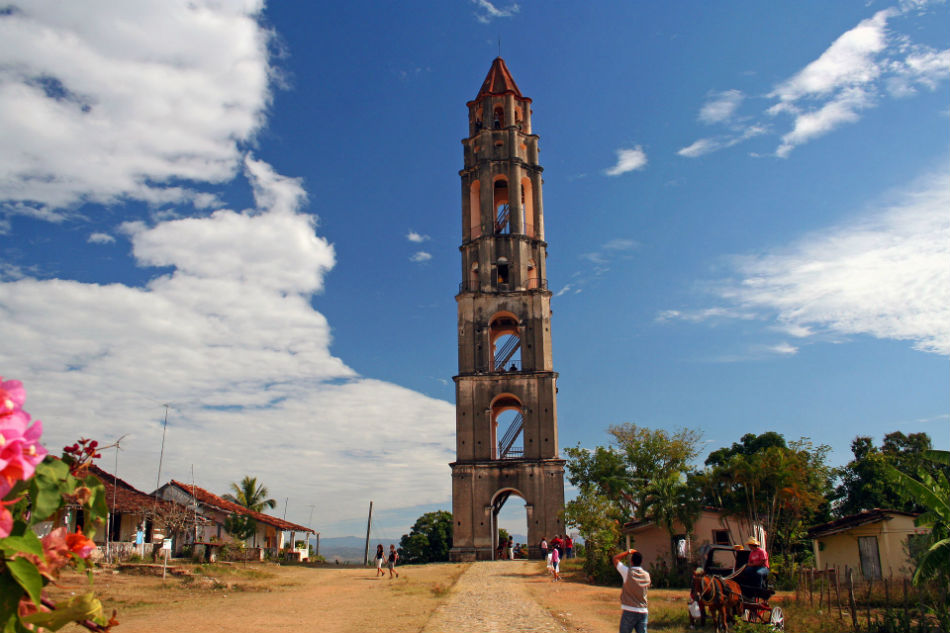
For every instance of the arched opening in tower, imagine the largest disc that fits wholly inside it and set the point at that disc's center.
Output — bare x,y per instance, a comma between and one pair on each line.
507,426
510,516
502,211
506,343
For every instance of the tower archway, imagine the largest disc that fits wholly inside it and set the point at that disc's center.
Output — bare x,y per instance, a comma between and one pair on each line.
509,513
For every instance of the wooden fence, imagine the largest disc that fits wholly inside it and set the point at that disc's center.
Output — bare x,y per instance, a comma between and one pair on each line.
861,601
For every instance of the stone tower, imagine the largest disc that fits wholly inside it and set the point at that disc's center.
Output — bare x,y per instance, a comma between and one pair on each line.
505,391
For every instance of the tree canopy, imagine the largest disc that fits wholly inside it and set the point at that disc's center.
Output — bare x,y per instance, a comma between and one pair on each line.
429,540
864,481
766,481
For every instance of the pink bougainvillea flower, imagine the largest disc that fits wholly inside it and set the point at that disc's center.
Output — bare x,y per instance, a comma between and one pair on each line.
80,544
20,450
12,396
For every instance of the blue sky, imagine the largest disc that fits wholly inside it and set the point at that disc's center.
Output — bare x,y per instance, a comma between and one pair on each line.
253,213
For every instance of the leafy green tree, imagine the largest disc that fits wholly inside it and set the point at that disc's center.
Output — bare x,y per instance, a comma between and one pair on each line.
251,495
429,540
653,454
865,484
642,475
782,487
597,519
240,526
748,444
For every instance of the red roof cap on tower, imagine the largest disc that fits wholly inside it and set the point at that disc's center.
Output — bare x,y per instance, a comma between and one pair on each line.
499,82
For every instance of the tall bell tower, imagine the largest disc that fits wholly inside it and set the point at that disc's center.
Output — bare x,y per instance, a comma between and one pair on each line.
505,391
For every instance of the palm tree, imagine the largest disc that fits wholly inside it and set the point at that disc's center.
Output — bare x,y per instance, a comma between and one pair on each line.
671,502
251,495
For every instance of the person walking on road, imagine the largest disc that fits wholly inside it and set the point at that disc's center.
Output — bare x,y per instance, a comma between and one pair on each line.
393,557
556,564
380,555
633,596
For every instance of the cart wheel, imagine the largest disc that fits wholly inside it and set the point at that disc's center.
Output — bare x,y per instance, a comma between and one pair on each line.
777,619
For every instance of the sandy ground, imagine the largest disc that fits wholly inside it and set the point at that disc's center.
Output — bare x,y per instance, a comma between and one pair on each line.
510,596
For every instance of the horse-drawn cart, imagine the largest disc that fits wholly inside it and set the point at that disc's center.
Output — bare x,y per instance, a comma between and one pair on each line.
723,587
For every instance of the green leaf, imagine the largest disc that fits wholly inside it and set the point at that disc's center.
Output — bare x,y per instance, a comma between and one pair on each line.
98,507
28,543
10,594
84,607
46,488
27,576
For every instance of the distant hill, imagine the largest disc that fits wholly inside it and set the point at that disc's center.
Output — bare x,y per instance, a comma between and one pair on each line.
350,549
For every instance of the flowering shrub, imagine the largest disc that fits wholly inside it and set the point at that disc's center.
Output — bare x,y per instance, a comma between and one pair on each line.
35,488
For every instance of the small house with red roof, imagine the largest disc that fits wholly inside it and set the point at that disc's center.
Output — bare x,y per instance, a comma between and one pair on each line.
269,537
132,511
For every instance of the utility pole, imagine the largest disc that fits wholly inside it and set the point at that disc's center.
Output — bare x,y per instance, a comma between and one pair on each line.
369,523
161,456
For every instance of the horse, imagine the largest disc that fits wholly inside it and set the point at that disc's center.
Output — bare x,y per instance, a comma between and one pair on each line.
722,597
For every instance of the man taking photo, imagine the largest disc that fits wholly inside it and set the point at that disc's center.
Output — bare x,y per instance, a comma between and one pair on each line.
633,596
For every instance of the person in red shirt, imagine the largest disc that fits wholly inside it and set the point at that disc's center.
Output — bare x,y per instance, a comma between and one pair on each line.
758,562
558,544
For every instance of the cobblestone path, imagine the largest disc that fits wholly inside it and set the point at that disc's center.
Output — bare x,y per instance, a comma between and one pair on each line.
490,597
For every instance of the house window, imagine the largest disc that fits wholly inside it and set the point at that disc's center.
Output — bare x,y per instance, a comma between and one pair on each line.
720,537
870,557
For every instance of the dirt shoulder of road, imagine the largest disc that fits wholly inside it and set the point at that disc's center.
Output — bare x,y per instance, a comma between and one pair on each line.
331,599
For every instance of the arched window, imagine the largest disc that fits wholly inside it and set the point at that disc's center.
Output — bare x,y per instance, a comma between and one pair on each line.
505,342
502,211
507,427
499,120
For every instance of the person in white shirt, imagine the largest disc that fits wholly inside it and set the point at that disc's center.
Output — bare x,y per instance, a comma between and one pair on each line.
633,596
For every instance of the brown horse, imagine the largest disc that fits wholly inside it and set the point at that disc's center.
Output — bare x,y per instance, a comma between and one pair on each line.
722,597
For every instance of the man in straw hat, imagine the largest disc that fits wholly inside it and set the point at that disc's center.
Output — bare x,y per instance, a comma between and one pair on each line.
758,565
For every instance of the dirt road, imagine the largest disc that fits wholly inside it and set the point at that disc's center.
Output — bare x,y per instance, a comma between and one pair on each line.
492,597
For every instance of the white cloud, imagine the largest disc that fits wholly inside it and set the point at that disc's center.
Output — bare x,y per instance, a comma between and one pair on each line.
849,61
628,160
706,314
809,125
110,101
416,238
488,11
100,238
103,101
784,349
860,67
700,147
885,275
229,337
708,145
925,68
721,106
420,256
